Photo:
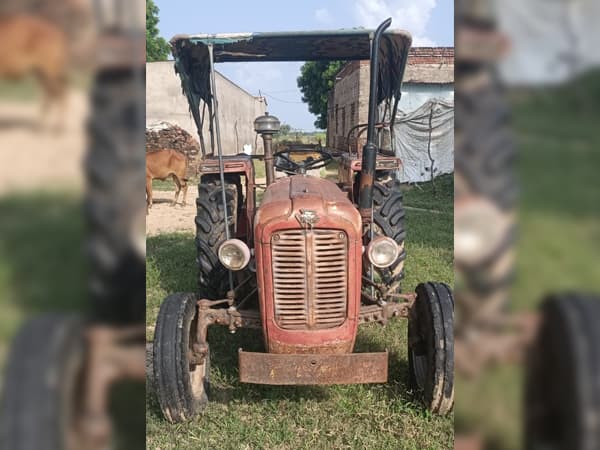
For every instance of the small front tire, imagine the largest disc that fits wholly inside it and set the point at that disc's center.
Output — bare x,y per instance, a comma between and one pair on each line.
181,387
42,385
431,346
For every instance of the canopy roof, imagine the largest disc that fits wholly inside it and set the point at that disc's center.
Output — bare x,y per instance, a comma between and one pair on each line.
193,66
350,44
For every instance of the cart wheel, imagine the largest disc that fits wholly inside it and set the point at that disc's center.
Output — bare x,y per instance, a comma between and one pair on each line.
182,388
42,385
562,393
431,346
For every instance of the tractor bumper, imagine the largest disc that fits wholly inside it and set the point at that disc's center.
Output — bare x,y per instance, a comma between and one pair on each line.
311,369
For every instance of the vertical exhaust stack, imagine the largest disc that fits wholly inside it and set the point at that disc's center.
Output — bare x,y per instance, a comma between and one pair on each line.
267,126
369,155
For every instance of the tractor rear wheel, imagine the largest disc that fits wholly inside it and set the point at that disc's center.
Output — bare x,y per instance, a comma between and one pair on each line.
388,216
42,385
431,346
210,233
563,368
181,387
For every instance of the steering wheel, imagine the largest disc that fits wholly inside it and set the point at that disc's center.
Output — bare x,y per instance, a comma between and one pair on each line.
296,161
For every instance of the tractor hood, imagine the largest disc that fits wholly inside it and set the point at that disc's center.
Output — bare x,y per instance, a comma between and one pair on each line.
305,202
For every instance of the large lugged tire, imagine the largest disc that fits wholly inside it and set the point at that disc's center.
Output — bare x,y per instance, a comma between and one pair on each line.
388,215
562,393
210,233
431,346
181,388
114,205
484,173
485,153
42,385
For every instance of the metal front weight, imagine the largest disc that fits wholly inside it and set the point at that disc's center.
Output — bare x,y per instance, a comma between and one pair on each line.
313,369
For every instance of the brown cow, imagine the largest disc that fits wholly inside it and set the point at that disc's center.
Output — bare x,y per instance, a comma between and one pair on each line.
160,165
33,46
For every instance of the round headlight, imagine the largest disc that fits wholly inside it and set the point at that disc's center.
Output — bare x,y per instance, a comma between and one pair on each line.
234,254
480,228
383,252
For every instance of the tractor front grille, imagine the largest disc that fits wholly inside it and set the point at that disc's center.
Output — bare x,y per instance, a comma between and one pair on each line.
310,278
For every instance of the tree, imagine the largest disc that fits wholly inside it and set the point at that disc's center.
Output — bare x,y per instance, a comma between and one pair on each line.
315,82
285,129
157,48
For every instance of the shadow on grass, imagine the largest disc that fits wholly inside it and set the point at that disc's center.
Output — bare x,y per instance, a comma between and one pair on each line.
226,387
41,252
43,269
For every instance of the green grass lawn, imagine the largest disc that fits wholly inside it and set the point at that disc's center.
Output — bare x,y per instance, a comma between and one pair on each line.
558,152
43,269
364,416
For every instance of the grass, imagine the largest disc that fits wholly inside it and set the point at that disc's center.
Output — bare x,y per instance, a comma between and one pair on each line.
28,89
559,217
363,416
43,269
24,90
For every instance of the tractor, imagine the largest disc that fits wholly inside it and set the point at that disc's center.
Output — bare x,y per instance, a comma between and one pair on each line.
315,259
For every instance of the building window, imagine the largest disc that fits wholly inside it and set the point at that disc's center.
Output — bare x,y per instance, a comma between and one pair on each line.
344,121
337,125
353,114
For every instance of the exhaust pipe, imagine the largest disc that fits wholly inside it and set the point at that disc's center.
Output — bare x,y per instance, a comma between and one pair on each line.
267,126
369,155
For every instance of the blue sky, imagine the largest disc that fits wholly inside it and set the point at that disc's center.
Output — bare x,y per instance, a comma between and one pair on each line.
431,22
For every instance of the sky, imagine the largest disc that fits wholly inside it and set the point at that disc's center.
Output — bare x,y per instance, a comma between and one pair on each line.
431,23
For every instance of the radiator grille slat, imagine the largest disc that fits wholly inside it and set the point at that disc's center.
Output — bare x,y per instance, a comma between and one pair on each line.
302,302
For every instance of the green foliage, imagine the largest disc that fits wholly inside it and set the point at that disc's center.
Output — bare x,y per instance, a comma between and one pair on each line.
157,48
285,129
315,82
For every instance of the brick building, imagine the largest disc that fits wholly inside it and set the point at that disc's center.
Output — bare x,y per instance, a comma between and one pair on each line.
429,74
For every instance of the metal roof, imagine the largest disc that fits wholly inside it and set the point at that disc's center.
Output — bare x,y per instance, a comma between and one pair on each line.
192,61
345,44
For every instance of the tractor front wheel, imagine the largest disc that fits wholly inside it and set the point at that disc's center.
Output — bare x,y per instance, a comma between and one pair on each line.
431,346
42,385
562,393
181,387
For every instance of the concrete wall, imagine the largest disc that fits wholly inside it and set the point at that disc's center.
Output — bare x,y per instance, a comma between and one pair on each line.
238,109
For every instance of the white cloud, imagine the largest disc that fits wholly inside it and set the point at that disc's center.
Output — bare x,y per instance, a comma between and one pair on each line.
323,16
410,15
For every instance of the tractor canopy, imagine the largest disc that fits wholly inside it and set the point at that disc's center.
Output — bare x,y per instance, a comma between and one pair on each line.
192,63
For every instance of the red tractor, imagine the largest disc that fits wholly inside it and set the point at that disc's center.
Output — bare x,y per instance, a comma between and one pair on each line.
316,258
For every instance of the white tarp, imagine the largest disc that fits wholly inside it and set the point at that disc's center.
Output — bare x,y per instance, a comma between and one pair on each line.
417,143
551,40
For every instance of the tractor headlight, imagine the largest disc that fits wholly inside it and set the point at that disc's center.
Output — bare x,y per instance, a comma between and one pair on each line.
480,228
234,254
383,252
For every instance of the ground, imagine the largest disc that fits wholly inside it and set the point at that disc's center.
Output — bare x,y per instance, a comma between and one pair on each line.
40,194
42,229
558,143
35,158
251,417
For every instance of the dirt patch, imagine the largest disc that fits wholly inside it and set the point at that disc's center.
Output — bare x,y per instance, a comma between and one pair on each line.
164,218
31,158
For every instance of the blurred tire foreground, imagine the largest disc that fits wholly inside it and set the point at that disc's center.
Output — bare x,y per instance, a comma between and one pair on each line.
72,238
528,107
